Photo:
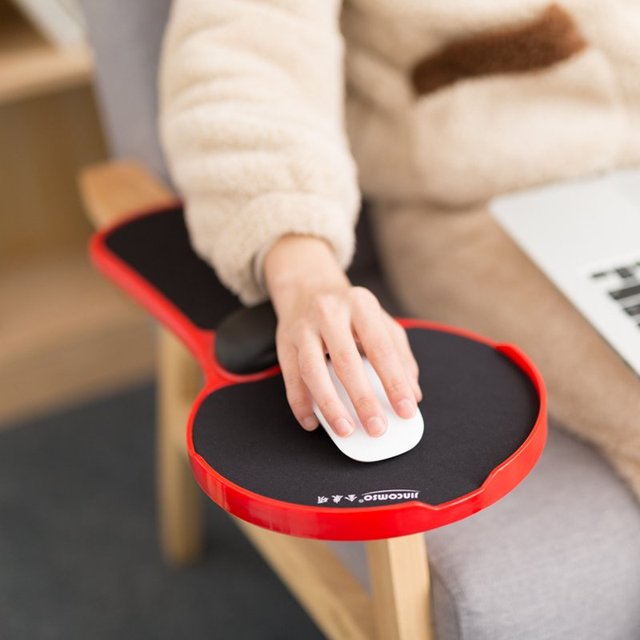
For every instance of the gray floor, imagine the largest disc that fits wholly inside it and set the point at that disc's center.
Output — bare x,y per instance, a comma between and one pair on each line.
78,554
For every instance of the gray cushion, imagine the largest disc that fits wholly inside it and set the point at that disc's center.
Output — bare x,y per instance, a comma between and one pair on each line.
126,38
557,559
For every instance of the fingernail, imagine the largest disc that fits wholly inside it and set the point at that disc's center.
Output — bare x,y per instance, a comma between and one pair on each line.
343,427
406,408
310,422
376,426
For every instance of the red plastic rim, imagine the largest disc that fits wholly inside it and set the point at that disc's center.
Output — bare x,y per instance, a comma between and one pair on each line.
363,523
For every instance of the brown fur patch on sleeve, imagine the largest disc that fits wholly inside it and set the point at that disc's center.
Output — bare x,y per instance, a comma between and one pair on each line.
551,38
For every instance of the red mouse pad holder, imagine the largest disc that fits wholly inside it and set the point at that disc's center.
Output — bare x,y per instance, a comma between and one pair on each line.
484,408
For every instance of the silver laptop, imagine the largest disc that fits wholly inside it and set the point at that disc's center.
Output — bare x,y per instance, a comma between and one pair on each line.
585,236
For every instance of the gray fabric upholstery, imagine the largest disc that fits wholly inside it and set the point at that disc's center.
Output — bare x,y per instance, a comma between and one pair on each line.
126,36
557,559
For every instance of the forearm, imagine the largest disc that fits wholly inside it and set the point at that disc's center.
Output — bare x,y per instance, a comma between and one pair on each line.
251,115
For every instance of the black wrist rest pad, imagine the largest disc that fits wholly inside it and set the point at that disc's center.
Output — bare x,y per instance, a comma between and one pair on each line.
157,248
484,411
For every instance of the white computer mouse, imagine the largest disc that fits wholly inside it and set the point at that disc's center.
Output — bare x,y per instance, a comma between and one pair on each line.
401,434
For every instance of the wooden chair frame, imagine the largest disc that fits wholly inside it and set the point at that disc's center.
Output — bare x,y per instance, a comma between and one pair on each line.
399,605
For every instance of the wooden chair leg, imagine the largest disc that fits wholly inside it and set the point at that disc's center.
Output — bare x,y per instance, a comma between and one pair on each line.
179,498
399,574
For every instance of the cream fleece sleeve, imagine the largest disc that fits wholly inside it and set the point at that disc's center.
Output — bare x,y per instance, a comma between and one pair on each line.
252,126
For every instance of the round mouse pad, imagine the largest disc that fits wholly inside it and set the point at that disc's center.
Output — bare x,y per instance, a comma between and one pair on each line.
479,408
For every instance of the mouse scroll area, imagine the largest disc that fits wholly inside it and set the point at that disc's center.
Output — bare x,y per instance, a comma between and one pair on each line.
401,435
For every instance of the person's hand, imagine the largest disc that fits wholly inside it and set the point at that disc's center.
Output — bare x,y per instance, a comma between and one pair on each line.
320,312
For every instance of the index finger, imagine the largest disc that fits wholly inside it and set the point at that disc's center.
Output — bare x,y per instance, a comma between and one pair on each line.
382,352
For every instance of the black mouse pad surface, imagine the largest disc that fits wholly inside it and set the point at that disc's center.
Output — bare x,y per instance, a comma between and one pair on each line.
157,247
478,408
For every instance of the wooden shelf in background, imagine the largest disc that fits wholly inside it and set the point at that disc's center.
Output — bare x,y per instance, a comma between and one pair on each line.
30,66
66,334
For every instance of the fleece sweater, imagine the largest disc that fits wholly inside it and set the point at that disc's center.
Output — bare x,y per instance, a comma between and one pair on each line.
268,106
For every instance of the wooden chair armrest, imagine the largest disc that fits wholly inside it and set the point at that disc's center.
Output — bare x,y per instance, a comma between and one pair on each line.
112,190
